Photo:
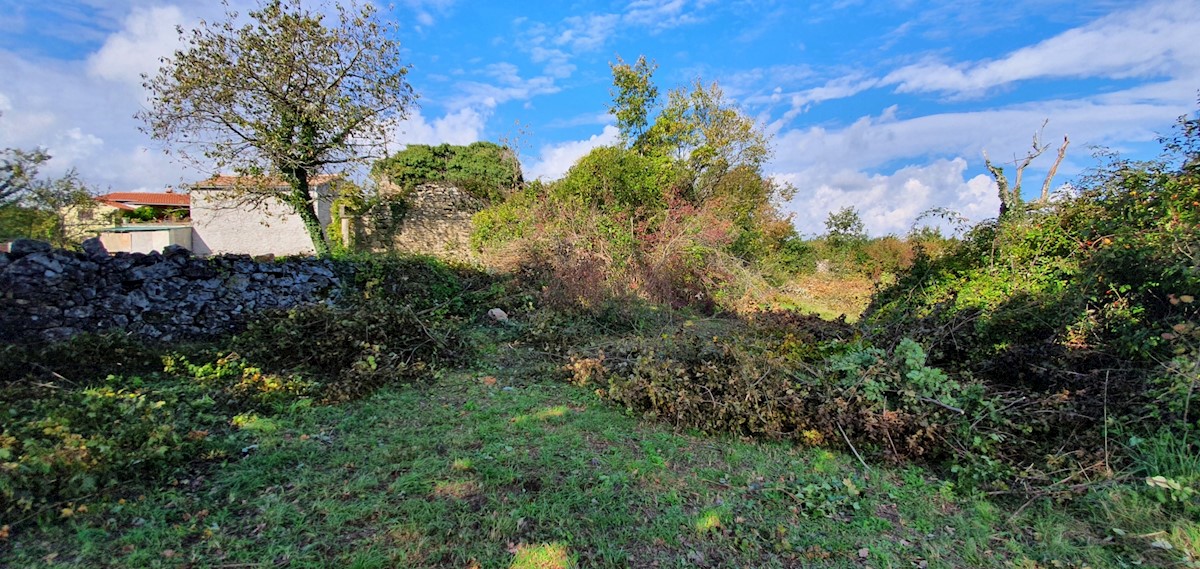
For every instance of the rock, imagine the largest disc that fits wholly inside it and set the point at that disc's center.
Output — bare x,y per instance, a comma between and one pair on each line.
59,334
22,247
50,294
95,250
497,315
45,261
174,251
79,312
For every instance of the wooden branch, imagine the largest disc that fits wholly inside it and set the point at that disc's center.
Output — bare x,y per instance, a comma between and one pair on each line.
852,449
1062,151
943,405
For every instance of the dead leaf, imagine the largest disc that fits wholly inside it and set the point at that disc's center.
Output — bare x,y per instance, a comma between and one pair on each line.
167,553
1161,544
864,553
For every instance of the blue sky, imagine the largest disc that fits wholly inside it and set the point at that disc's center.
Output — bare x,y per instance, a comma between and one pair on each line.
885,106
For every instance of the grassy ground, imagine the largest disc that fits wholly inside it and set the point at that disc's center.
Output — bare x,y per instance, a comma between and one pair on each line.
501,465
829,296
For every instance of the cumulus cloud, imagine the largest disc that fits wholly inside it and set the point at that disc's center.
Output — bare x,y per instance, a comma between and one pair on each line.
876,141
888,203
554,160
147,36
460,127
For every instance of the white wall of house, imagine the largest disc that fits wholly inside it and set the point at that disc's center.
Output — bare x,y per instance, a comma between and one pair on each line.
220,225
146,239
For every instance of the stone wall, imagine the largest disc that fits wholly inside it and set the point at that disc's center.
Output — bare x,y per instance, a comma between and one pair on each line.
435,219
48,294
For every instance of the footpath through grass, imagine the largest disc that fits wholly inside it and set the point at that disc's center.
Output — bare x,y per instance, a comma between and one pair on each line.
493,467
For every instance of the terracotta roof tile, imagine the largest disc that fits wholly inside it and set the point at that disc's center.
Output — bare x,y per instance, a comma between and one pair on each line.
146,198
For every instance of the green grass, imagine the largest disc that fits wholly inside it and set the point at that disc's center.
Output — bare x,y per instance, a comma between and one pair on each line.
504,466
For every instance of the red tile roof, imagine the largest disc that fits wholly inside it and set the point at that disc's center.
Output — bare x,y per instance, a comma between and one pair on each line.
229,181
146,198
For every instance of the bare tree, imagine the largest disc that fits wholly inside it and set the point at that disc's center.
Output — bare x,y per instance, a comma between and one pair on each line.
1010,196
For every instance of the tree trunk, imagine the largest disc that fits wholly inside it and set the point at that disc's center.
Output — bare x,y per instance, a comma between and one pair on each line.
302,202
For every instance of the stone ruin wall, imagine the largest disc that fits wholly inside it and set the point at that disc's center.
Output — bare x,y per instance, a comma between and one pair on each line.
436,221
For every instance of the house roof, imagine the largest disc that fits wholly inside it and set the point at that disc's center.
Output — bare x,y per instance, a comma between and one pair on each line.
132,200
221,181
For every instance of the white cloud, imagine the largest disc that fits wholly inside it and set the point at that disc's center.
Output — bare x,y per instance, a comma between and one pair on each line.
510,86
147,36
889,203
587,33
854,165
1153,40
555,159
460,127
664,14
875,141
426,12
75,146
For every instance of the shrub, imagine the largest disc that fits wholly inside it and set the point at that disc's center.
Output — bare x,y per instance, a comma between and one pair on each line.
760,380
352,350
80,360
1085,308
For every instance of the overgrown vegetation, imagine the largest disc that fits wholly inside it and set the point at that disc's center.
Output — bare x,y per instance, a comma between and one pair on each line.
485,170
1038,372
34,206
680,213
91,414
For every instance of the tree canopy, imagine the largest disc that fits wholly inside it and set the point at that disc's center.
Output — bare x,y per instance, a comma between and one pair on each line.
18,172
634,97
485,169
35,206
288,94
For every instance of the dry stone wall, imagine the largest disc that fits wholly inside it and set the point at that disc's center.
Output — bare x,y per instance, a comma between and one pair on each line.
435,220
48,294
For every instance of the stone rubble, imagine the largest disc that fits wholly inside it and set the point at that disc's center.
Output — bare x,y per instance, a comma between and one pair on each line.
49,295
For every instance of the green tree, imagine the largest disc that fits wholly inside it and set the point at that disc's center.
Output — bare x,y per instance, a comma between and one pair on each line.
845,227
34,206
59,199
18,170
697,126
634,97
286,94
716,137
485,169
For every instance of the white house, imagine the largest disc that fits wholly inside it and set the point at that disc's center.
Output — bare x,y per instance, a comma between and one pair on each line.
224,223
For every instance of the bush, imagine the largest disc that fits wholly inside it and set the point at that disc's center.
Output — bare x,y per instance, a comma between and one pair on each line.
80,360
1085,307
791,378
351,350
